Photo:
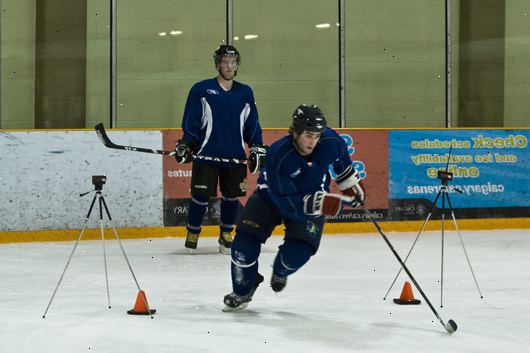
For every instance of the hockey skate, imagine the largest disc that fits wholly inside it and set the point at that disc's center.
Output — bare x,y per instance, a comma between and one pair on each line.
225,243
191,240
278,283
235,302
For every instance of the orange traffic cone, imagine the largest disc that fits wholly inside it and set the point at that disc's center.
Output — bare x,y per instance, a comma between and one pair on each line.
406,296
140,307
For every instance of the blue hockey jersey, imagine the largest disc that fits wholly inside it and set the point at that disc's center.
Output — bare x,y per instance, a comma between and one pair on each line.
288,176
218,122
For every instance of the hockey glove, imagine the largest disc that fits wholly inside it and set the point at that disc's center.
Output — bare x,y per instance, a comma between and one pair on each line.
256,158
183,151
322,204
349,183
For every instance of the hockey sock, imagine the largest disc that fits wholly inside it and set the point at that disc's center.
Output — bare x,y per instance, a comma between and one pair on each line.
245,251
293,254
229,207
196,210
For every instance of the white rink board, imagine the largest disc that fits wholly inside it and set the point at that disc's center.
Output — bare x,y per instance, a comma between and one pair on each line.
42,174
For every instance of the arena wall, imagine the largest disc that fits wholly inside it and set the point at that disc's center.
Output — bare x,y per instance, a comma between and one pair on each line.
43,173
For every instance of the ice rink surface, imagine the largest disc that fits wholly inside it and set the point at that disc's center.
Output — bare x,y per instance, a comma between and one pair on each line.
334,304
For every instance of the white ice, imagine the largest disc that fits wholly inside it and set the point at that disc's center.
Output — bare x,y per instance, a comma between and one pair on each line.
334,304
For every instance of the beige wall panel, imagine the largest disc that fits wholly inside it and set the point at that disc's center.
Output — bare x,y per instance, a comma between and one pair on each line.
517,72
395,63
98,63
156,68
17,64
291,62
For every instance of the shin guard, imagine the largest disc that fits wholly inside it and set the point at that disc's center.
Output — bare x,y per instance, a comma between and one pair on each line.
245,252
293,254
229,207
196,210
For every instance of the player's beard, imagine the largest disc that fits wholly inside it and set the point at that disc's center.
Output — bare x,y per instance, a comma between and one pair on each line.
229,78
225,77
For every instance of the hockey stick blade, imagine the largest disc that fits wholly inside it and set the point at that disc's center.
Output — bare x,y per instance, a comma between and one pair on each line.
102,134
100,130
451,326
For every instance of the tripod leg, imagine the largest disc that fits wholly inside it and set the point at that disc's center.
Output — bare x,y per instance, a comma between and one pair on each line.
408,254
103,242
463,246
442,247
413,244
71,254
125,255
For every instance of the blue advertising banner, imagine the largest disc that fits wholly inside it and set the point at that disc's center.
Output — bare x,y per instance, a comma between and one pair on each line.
489,167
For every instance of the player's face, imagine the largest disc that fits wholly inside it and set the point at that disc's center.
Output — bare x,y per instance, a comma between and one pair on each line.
228,67
306,142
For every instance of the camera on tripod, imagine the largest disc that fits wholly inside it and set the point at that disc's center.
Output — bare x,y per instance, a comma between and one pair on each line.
445,176
98,181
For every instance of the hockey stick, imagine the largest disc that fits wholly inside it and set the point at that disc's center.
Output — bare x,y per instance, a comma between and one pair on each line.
102,134
451,325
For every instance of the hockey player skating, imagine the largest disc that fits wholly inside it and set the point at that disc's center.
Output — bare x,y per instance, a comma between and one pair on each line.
219,117
292,189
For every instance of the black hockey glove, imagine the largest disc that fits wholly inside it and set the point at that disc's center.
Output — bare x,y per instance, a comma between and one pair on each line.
349,183
256,158
183,151
322,204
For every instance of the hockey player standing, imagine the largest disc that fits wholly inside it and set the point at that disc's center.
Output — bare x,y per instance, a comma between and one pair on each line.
292,189
219,118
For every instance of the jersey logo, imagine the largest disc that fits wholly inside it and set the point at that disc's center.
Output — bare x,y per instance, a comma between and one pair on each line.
311,229
243,185
294,175
212,91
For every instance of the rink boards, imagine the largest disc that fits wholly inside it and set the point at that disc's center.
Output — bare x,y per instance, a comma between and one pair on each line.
43,172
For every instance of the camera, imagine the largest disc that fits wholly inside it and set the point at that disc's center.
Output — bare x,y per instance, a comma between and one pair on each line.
98,181
445,176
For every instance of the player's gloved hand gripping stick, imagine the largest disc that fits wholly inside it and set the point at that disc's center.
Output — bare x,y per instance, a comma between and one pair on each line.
328,204
256,157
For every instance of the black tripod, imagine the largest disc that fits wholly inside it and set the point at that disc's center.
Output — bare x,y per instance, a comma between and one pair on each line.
98,181
445,177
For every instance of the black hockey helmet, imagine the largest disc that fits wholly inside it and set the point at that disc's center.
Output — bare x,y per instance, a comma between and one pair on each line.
308,118
226,50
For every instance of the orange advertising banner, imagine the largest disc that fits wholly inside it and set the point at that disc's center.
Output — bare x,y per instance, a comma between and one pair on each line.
177,177
368,152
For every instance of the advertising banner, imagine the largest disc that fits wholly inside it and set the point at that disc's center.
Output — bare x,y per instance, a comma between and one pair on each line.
489,172
177,181
369,154
368,151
